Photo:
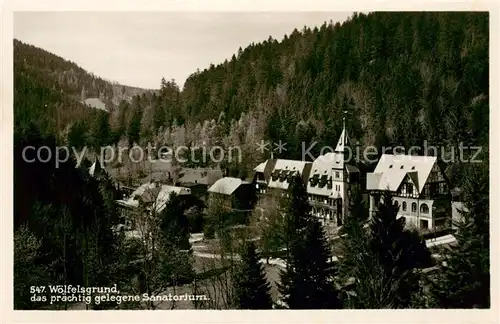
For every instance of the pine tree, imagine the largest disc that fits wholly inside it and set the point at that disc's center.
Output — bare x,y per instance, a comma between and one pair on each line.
134,128
77,135
354,239
297,212
464,280
251,288
100,132
385,274
357,209
174,223
307,282
27,270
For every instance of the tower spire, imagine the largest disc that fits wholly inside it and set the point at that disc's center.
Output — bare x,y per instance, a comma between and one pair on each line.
343,136
343,121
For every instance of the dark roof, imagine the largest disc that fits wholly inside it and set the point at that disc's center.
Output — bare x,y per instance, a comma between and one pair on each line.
351,168
199,176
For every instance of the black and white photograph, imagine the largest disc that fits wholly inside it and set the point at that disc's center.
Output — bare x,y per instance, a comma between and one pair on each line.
307,160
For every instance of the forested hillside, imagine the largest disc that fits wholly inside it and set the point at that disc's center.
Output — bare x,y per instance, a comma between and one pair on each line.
49,90
403,78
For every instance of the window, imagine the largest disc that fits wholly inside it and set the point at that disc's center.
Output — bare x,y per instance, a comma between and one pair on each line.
402,167
404,205
390,166
424,209
414,207
337,175
409,188
396,203
424,224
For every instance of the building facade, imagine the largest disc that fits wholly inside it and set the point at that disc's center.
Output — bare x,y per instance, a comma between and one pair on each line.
232,194
152,196
418,186
328,180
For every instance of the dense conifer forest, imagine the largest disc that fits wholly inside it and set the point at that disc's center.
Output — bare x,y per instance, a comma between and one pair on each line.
401,78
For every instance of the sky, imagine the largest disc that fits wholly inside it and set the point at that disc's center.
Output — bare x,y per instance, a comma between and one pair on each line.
139,48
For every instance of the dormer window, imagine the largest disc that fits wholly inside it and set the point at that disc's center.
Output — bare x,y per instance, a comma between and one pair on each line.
314,180
402,167
413,167
390,166
323,181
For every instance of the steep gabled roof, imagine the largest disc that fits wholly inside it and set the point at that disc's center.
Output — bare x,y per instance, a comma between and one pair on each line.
373,181
414,178
204,176
227,185
343,141
261,167
392,169
292,166
148,192
164,195
324,165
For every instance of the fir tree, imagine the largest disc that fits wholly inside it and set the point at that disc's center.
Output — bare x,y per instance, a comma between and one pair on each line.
251,288
174,223
77,135
385,275
100,131
464,280
354,238
307,282
297,212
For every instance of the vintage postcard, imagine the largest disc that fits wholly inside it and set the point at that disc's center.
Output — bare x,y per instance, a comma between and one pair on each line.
335,161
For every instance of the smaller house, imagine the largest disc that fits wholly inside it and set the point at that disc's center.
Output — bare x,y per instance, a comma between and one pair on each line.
198,180
233,193
202,176
153,196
